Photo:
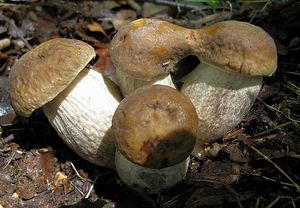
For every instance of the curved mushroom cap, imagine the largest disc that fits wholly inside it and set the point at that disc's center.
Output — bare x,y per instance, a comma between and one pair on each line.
237,47
155,126
146,48
42,73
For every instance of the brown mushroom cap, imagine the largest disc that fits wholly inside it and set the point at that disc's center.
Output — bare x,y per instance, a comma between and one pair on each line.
42,73
155,126
237,47
148,49
144,48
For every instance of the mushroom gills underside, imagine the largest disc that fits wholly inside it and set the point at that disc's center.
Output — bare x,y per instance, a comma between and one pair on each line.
82,114
221,100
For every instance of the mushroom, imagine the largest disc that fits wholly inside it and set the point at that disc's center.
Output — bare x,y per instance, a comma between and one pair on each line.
78,102
234,57
155,131
142,53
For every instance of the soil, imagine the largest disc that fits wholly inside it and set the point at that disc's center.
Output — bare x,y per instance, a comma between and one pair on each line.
255,165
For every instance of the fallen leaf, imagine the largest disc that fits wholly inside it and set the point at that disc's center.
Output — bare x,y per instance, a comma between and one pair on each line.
25,188
104,64
237,153
96,27
59,179
225,172
211,197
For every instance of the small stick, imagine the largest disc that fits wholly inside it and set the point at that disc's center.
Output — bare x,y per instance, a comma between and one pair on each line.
182,5
282,183
275,165
273,129
76,188
79,176
281,197
10,159
276,110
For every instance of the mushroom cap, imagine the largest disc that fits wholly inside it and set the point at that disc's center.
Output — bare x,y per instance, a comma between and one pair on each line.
239,47
148,49
144,48
155,126
42,73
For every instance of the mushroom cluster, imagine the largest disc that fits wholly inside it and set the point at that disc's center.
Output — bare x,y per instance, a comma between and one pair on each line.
149,135
234,57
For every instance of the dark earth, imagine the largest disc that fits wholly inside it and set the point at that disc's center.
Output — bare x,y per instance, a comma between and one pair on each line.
255,165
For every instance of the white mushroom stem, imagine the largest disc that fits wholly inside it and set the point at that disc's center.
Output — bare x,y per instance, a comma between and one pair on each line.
128,83
149,180
221,100
82,115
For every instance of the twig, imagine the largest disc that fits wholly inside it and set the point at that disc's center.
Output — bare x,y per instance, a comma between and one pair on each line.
293,155
292,73
291,202
76,188
275,181
181,4
273,129
275,165
79,176
276,110
236,195
91,188
257,202
10,159
281,197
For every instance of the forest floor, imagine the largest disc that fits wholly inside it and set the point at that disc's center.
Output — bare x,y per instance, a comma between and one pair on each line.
255,165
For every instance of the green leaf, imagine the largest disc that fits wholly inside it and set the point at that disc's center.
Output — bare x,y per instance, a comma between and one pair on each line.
212,3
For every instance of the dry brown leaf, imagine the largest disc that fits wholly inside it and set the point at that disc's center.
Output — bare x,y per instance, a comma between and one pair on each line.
104,64
96,27
225,172
59,179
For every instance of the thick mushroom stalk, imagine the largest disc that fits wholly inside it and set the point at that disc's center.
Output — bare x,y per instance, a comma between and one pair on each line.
221,99
82,113
149,48
155,131
78,102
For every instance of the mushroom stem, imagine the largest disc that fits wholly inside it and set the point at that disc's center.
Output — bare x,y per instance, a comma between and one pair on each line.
128,83
81,114
149,180
221,100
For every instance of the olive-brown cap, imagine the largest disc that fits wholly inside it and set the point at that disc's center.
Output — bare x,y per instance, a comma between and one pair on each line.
42,73
236,46
147,49
155,126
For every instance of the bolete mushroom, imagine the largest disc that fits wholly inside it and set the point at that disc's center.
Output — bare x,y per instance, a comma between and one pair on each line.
78,102
234,57
155,130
